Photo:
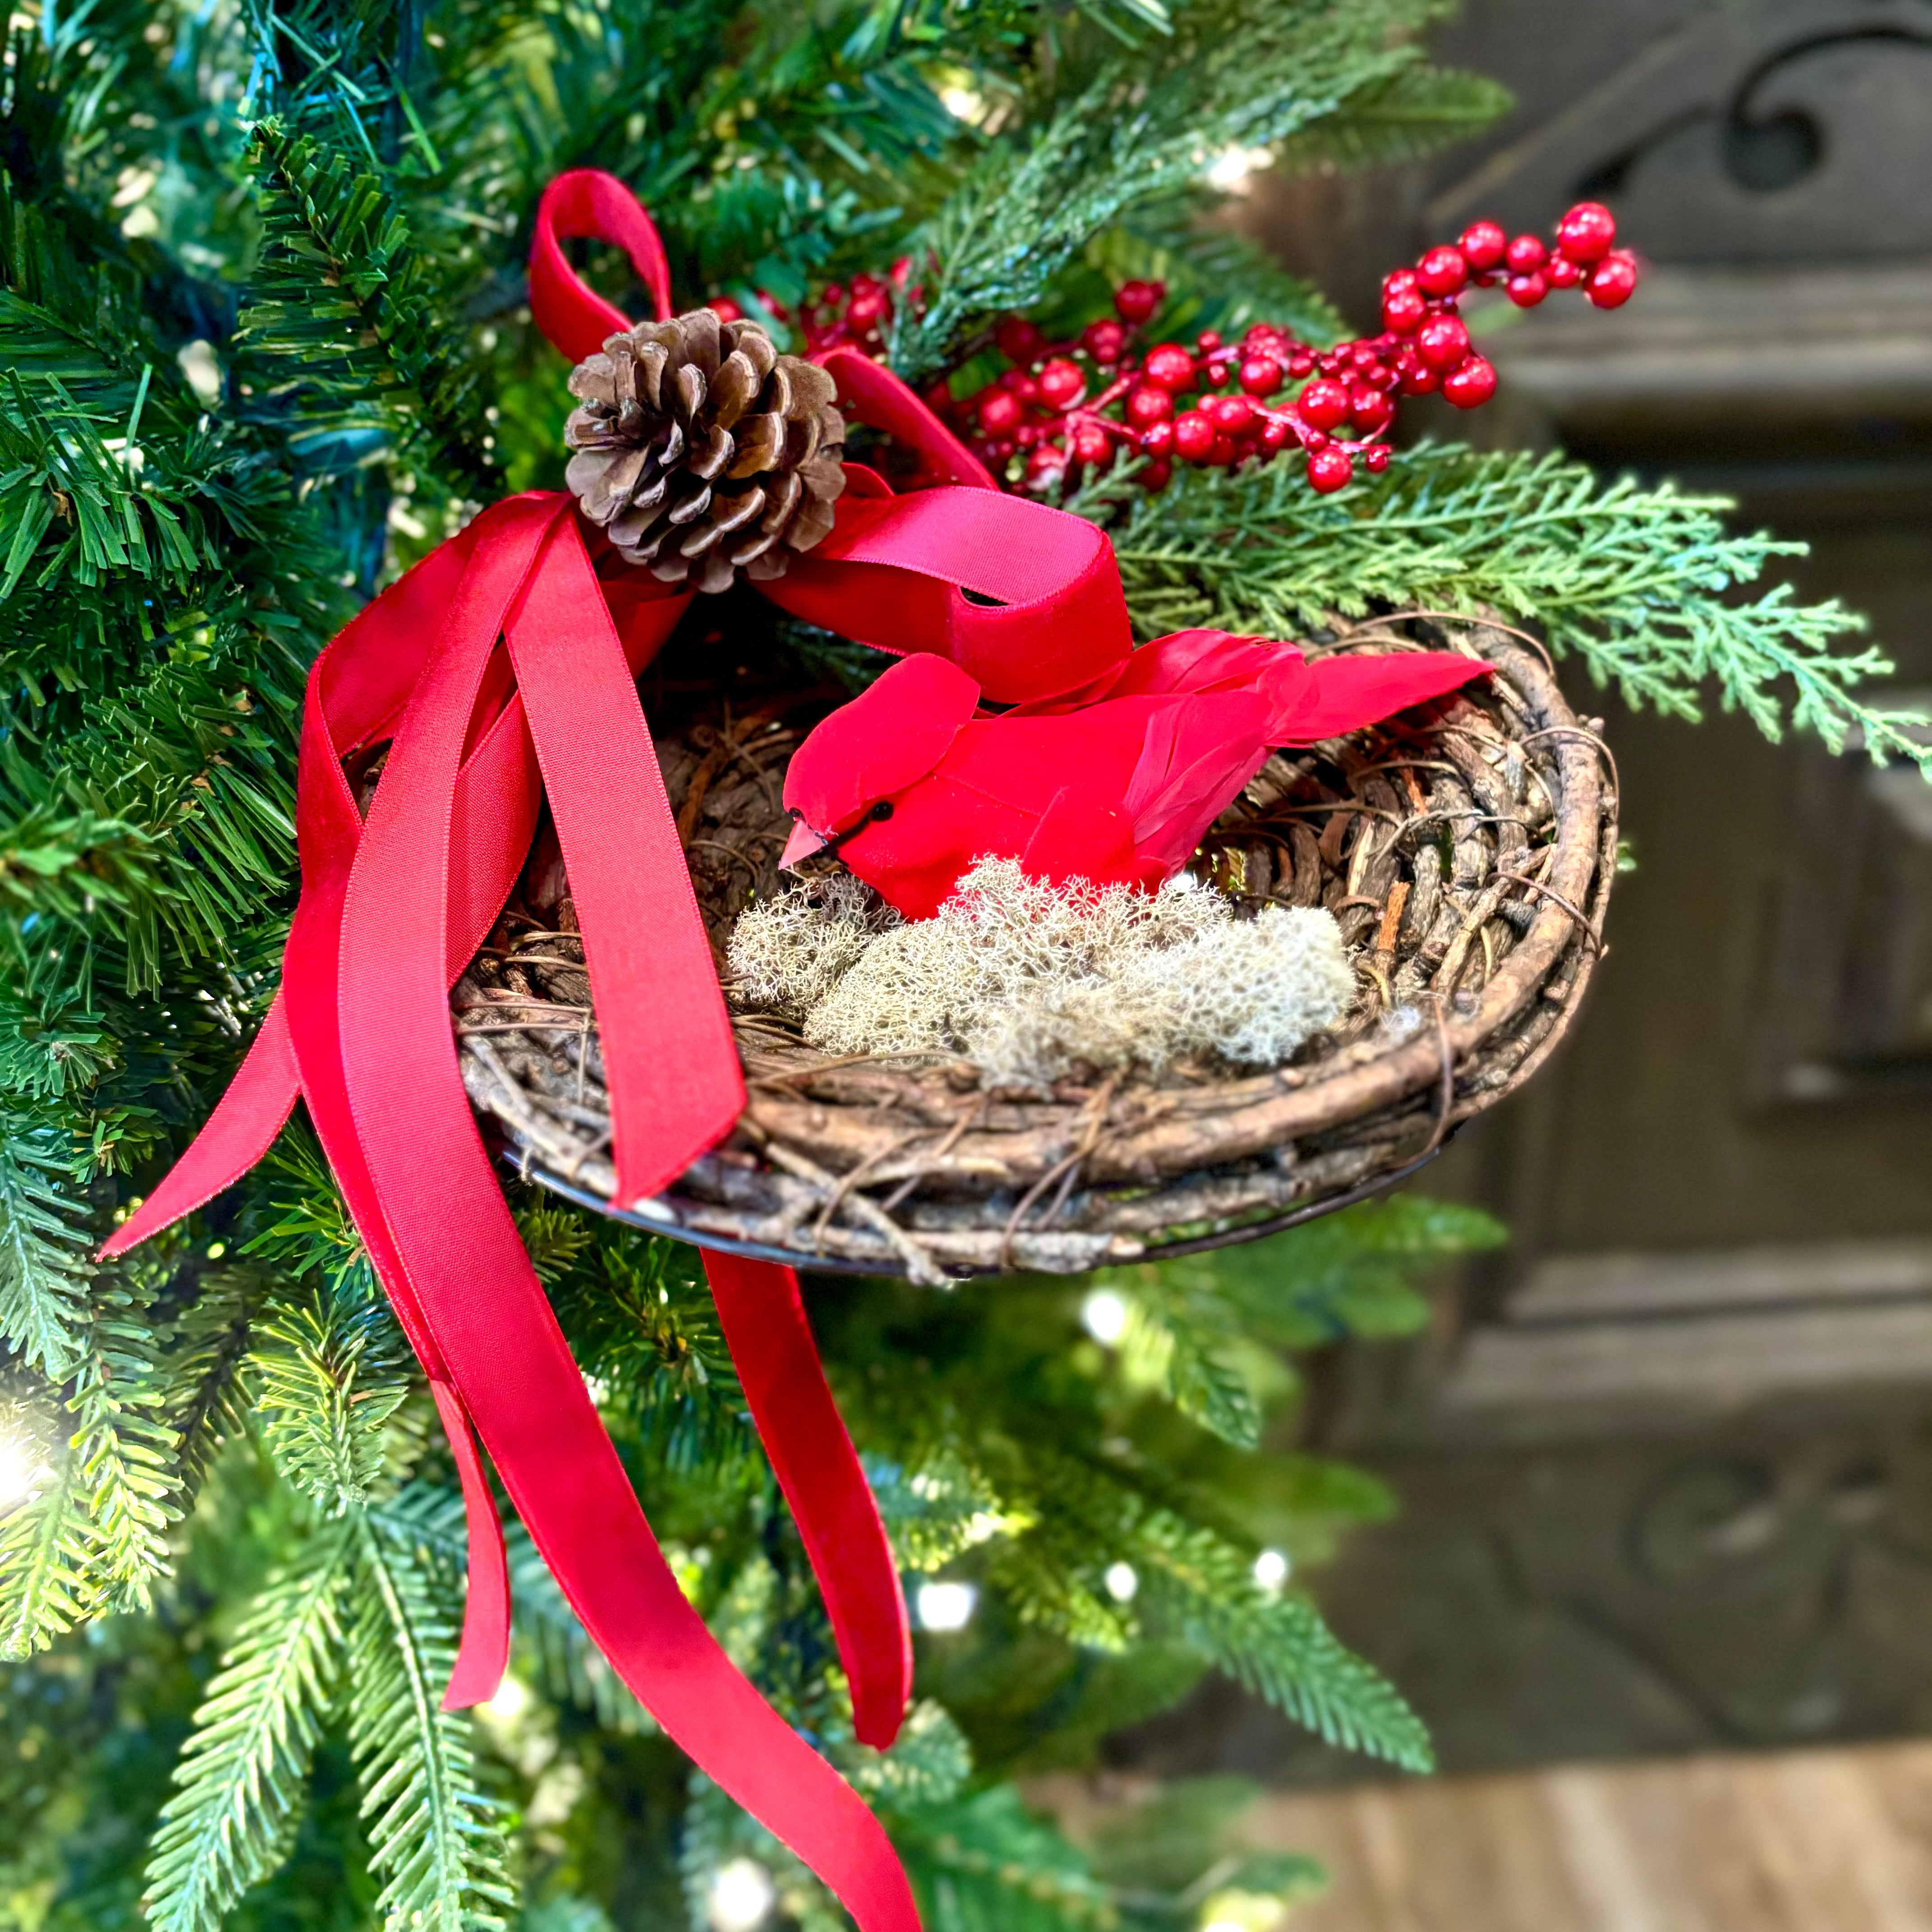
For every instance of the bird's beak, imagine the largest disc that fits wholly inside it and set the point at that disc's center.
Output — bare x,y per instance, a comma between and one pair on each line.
802,843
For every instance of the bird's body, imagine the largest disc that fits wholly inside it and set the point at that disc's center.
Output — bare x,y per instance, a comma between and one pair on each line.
1115,782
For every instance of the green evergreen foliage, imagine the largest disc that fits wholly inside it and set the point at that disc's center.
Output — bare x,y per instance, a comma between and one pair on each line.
262,323
1104,127
43,1265
244,1768
1638,582
434,1839
329,1376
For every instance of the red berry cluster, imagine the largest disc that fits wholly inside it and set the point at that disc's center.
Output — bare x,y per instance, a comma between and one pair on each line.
856,313
1065,406
1528,269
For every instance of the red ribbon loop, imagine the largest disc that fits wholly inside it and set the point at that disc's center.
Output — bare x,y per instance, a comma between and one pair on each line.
587,203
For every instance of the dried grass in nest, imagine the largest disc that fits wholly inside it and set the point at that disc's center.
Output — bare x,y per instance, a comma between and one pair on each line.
1467,850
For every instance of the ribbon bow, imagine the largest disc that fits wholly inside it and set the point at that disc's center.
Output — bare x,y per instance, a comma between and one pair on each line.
501,670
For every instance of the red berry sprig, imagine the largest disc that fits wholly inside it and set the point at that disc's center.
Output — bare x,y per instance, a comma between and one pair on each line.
1063,407
856,314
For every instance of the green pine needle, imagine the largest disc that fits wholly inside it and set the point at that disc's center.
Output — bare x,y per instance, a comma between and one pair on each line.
985,1865
342,294
125,1450
1128,127
44,1557
1281,1649
1415,110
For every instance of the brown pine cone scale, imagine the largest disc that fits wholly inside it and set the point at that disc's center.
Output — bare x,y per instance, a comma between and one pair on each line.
703,452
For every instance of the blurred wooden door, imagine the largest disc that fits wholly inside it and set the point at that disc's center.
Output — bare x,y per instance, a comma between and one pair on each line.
1667,1467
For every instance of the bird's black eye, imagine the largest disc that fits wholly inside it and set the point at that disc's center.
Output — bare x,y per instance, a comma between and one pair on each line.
884,809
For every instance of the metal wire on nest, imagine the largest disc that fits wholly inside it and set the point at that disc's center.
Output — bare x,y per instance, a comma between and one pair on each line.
1467,850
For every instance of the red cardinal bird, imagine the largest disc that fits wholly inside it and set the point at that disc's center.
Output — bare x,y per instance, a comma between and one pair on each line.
1114,782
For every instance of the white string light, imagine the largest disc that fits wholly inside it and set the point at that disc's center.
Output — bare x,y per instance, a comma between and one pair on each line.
1231,170
943,1606
1104,1315
742,1896
21,1473
1272,1569
511,1701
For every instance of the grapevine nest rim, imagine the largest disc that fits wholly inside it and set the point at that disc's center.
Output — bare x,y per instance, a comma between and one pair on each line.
1466,847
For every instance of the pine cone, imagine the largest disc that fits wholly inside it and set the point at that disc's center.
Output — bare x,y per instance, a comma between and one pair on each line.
703,452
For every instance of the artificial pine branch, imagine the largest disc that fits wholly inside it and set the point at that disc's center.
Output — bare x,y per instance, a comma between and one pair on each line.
124,1449
329,1374
1278,1646
986,1865
242,1780
94,1536
341,293
1413,110
1198,1585
311,1232
208,1388
43,1267
1182,1333
435,1842
643,1328
44,1547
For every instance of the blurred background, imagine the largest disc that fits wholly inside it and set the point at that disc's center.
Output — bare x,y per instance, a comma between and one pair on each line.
1665,1466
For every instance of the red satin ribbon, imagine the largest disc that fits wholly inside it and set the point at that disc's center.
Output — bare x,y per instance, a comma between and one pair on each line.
500,668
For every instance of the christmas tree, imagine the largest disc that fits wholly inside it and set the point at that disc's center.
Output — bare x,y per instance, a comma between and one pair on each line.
267,342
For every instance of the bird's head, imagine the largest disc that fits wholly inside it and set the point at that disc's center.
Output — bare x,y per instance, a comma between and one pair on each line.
855,763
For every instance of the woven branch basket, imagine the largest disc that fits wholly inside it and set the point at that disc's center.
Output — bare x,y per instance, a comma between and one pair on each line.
1467,849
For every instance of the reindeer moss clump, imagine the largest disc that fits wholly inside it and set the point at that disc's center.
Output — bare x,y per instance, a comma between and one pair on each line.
1034,981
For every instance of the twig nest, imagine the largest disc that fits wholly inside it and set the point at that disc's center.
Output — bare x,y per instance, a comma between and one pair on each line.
1032,982
1464,855
703,452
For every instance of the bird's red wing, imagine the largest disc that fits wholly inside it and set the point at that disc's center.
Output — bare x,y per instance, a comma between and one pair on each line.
1343,693
1197,753
1081,834
1183,663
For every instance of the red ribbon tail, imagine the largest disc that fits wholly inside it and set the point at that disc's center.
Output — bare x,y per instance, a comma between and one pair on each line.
484,1653
588,202
887,402
763,1314
456,1241
670,1063
241,1130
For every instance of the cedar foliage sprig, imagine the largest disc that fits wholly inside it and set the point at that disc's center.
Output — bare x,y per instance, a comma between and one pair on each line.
1638,580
